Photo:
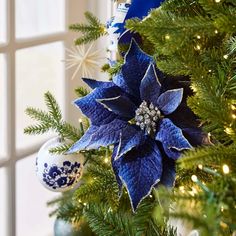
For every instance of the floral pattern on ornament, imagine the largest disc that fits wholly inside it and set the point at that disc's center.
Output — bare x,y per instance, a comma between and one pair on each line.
61,176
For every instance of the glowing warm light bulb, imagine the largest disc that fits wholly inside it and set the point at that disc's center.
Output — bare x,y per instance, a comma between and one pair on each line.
194,88
233,107
181,188
167,36
223,225
191,193
226,56
216,31
217,1
228,130
200,166
198,47
106,160
198,36
194,178
234,116
225,169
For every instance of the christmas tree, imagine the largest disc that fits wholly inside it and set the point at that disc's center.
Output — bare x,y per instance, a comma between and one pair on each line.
159,139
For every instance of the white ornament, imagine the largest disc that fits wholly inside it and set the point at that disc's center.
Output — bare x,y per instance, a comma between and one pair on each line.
84,60
58,173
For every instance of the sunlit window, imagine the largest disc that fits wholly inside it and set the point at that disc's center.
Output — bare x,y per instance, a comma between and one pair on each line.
33,37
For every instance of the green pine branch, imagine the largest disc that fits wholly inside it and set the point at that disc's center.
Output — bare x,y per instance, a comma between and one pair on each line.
211,206
38,115
98,179
81,92
216,155
67,209
232,45
184,175
51,120
53,107
224,16
70,132
150,220
62,149
37,129
91,31
70,212
104,222
113,70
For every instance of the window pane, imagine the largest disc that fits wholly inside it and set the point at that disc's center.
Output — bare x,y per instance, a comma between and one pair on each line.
38,70
39,17
31,210
3,202
2,105
3,27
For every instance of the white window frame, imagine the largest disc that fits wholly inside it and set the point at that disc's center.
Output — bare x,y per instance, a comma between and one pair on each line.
73,13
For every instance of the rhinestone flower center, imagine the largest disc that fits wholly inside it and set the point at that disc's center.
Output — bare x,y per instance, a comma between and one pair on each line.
146,117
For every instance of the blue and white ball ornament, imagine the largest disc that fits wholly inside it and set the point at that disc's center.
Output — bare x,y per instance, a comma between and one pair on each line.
58,173
116,25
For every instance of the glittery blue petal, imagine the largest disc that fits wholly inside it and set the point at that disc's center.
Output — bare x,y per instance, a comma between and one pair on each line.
150,86
169,172
97,84
140,170
116,167
133,70
83,141
172,139
93,109
170,100
108,134
127,36
103,136
129,139
196,136
119,80
120,105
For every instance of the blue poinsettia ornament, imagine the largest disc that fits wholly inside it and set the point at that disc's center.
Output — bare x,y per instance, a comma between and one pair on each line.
137,114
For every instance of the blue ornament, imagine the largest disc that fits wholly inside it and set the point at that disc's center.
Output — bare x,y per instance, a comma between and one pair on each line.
135,113
63,228
58,172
